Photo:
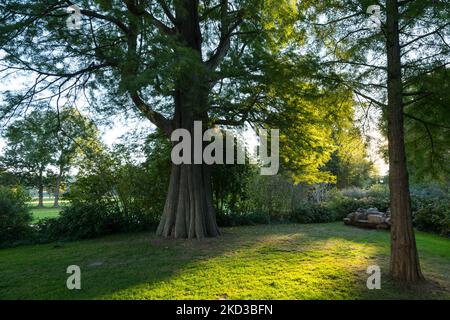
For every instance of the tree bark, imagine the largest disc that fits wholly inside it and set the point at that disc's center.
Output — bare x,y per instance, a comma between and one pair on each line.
189,209
405,265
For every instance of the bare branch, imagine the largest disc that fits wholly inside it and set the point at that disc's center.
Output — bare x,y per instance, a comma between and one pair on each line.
225,39
370,98
168,12
425,35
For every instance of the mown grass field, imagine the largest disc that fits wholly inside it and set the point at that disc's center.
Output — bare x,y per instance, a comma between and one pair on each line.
323,261
47,212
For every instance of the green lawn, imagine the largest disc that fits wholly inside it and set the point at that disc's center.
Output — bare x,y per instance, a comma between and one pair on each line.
323,261
39,214
47,212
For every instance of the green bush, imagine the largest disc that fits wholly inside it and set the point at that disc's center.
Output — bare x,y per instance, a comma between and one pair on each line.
431,209
433,218
83,220
15,216
242,219
342,206
312,213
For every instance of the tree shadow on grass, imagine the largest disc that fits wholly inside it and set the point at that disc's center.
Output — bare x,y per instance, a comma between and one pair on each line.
261,262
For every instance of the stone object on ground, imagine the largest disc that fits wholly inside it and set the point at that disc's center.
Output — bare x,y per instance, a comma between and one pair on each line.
371,218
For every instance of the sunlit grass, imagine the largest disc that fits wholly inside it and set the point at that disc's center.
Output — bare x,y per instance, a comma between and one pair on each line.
39,214
325,261
47,212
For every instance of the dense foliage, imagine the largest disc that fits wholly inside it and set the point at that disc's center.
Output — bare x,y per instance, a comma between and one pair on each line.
15,216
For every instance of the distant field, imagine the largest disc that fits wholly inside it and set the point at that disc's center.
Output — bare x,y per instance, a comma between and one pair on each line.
39,214
47,212
47,202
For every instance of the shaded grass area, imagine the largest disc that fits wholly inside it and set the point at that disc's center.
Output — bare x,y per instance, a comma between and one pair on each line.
323,261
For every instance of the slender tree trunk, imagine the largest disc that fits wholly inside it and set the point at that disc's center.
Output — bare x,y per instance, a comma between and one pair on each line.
57,187
41,190
405,265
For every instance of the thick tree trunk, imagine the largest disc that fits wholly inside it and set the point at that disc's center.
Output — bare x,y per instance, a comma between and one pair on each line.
189,208
405,265
41,190
189,211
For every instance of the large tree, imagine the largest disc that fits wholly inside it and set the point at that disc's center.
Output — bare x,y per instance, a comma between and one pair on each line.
47,140
174,62
76,138
384,60
30,148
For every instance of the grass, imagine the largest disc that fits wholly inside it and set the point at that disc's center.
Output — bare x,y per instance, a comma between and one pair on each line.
323,261
42,213
47,212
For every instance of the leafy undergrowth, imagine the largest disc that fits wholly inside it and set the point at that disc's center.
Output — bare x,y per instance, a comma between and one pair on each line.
323,261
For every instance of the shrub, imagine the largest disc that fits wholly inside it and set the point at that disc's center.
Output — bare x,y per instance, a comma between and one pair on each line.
83,220
312,213
15,216
242,219
433,217
341,206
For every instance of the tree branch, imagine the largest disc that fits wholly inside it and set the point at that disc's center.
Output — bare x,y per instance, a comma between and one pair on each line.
425,122
370,99
140,11
158,119
425,35
168,12
225,39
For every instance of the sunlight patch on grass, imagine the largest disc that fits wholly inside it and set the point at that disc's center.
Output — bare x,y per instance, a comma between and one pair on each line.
43,213
280,267
324,261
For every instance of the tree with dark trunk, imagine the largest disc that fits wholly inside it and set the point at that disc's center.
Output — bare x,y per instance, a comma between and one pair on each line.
404,258
173,62
383,61
29,151
59,177
41,188
76,137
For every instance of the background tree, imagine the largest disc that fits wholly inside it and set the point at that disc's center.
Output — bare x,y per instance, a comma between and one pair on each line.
8,178
76,138
29,150
350,162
